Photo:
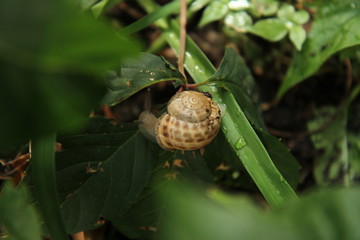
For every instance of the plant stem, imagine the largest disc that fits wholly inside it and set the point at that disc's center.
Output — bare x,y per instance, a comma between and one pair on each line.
182,38
43,176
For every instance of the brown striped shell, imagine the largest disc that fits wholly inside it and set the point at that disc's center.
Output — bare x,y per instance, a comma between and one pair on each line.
192,121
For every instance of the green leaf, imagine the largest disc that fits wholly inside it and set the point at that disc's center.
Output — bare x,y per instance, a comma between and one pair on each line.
324,40
228,171
196,214
282,158
272,29
260,8
300,17
237,78
43,177
240,21
142,219
215,11
151,18
132,76
101,171
286,11
51,66
197,5
18,218
297,36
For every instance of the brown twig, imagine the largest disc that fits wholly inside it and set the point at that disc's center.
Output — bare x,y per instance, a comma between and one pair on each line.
183,10
18,167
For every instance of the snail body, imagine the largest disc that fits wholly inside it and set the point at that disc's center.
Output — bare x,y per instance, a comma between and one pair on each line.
192,121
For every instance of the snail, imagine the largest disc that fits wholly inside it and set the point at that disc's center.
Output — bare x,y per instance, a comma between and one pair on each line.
191,122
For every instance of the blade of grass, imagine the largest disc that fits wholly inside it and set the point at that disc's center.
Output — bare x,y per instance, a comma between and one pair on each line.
156,15
43,176
151,18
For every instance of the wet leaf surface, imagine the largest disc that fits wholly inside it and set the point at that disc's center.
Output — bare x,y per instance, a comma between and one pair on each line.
132,76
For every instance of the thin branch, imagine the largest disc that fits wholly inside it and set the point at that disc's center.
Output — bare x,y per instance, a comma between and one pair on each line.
183,10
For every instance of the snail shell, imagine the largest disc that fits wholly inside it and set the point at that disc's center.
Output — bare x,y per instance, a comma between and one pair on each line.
192,121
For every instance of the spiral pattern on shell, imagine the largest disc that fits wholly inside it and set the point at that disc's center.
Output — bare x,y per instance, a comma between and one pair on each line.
192,121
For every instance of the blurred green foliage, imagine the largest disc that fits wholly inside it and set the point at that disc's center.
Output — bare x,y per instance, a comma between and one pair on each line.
18,219
52,60
335,27
243,16
212,214
338,161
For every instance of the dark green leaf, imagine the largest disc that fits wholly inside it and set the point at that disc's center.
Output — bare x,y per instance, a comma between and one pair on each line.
142,220
196,214
282,158
335,28
272,29
236,77
132,76
101,171
43,177
18,218
229,172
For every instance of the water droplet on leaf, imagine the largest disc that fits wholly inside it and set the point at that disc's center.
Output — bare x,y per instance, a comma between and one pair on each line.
240,143
224,129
